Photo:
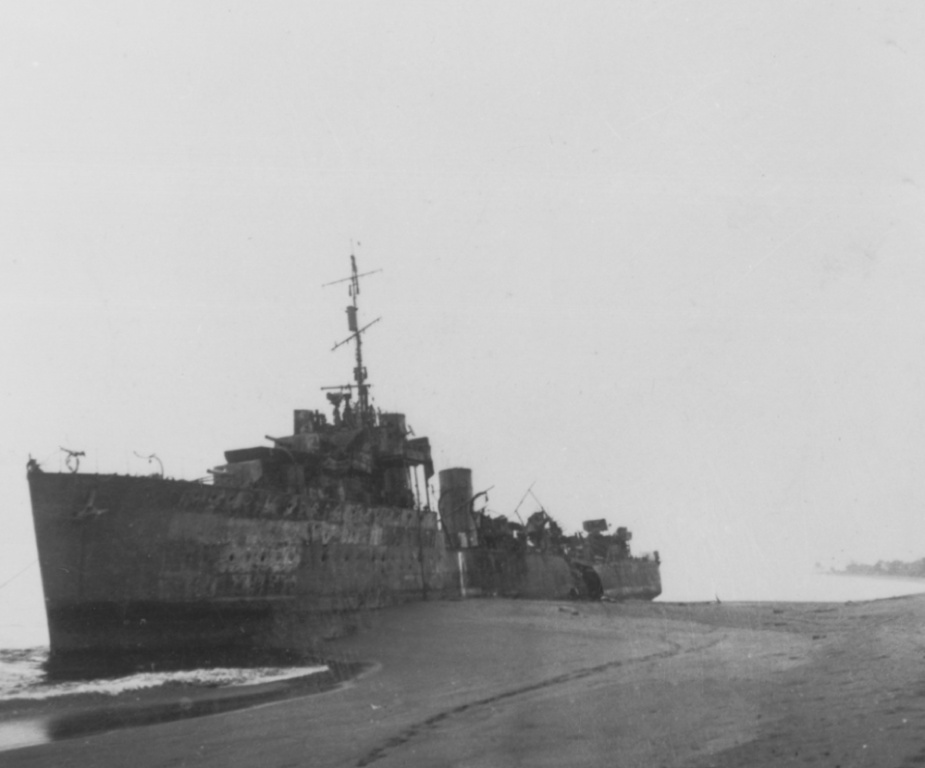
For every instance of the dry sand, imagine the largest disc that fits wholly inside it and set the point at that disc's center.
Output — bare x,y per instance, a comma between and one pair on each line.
508,683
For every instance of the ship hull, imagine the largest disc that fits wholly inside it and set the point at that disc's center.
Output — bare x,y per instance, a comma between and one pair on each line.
630,579
156,626
552,576
142,565
135,563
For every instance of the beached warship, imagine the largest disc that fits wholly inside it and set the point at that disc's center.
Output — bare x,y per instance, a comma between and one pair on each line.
292,541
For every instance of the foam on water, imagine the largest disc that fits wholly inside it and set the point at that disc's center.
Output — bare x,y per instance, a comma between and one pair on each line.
24,651
21,669
22,677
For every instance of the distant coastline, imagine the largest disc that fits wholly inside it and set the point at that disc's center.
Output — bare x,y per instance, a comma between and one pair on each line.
895,569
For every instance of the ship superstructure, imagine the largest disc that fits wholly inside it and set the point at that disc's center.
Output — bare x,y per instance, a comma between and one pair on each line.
361,455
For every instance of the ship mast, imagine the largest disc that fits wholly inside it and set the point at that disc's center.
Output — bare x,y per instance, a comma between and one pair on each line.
363,411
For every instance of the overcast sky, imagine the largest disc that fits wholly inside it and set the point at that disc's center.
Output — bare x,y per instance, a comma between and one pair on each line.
665,260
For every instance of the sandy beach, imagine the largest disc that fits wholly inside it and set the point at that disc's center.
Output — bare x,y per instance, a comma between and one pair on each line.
502,683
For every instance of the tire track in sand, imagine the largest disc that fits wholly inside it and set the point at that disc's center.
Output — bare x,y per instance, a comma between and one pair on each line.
431,723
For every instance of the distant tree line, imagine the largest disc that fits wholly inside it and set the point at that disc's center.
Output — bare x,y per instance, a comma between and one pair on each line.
915,569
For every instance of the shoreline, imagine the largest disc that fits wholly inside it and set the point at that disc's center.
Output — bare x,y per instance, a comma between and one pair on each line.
497,682
72,715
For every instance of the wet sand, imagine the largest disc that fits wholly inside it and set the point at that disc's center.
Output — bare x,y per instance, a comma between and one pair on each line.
502,683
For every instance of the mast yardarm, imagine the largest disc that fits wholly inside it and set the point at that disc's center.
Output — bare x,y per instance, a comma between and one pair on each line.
363,411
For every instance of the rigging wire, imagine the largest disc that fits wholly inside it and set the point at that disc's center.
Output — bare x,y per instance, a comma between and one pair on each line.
19,573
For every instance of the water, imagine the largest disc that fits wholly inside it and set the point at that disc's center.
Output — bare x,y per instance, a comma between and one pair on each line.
36,707
35,710
24,651
23,677
785,586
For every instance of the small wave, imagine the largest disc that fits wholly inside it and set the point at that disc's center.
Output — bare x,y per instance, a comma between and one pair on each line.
200,678
22,676
21,669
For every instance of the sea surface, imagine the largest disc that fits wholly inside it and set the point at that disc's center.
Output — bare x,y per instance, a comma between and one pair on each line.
785,585
37,707
23,677
24,651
